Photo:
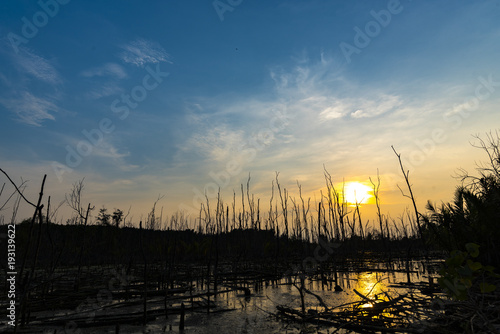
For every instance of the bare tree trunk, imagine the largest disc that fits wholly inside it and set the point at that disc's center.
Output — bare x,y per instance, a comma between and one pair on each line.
376,188
82,249
145,273
25,284
406,175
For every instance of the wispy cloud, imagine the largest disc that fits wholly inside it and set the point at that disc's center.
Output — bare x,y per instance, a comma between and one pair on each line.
322,91
108,155
31,109
377,106
141,52
333,112
103,91
108,151
37,66
327,113
218,143
107,70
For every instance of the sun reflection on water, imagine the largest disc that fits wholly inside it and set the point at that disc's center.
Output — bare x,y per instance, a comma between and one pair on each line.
376,304
371,285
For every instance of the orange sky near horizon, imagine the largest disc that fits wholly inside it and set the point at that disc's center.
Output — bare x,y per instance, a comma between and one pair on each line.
393,203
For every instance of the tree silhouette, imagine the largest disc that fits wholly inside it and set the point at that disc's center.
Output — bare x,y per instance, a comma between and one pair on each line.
117,217
474,215
103,218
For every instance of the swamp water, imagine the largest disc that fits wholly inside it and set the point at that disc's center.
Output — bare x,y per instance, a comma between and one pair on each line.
234,312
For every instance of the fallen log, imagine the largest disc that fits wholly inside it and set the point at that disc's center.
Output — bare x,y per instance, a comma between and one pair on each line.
301,317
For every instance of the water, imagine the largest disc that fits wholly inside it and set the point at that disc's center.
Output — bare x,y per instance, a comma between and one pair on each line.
257,313
254,314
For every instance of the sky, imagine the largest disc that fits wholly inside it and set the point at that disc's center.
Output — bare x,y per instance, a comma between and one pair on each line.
176,99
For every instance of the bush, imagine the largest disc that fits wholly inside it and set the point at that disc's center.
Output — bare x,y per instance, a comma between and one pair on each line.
474,214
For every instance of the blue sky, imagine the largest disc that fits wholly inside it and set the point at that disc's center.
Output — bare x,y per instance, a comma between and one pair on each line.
180,97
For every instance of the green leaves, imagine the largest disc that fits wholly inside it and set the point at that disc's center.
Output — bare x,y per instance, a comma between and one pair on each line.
456,259
461,273
472,249
487,287
474,266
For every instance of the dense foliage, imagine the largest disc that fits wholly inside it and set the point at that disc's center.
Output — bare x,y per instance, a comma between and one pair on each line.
474,214
469,228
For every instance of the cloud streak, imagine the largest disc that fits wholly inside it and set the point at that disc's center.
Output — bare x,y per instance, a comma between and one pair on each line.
107,70
218,143
376,107
30,109
141,52
38,67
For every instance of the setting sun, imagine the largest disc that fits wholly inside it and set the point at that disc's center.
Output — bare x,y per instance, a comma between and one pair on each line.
357,192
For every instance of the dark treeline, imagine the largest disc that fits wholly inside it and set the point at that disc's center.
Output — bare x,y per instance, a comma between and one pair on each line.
61,245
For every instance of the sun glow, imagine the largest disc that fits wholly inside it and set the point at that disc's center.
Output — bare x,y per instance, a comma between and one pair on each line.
371,285
356,193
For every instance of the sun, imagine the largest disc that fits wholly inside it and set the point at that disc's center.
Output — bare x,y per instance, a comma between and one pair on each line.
356,193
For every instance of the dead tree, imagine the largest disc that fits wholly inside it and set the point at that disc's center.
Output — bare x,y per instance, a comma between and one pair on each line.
406,175
74,201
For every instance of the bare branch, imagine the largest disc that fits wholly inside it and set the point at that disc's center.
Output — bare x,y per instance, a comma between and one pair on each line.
17,188
407,180
75,197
